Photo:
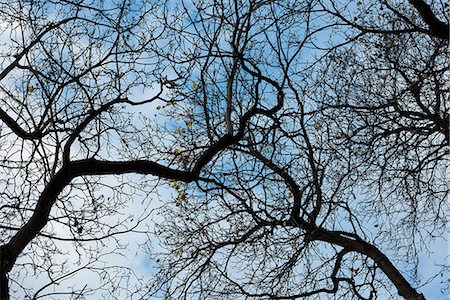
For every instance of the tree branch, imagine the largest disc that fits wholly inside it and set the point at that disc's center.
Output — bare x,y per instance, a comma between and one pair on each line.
437,27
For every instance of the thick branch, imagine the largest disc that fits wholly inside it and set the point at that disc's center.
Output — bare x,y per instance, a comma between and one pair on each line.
4,289
358,245
437,27
145,167
19,131
39,219
230,97
352,242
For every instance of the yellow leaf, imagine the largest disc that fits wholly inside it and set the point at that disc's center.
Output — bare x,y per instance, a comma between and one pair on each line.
158,107
175,185
177,131
181,198
176,151
194,85
174,273
30,89
318,126
359,151
188,123
178,253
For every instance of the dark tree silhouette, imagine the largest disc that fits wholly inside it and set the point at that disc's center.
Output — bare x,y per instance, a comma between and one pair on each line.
305,142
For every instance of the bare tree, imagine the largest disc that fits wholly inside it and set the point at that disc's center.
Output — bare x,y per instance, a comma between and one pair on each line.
337,183
73,75
305,142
